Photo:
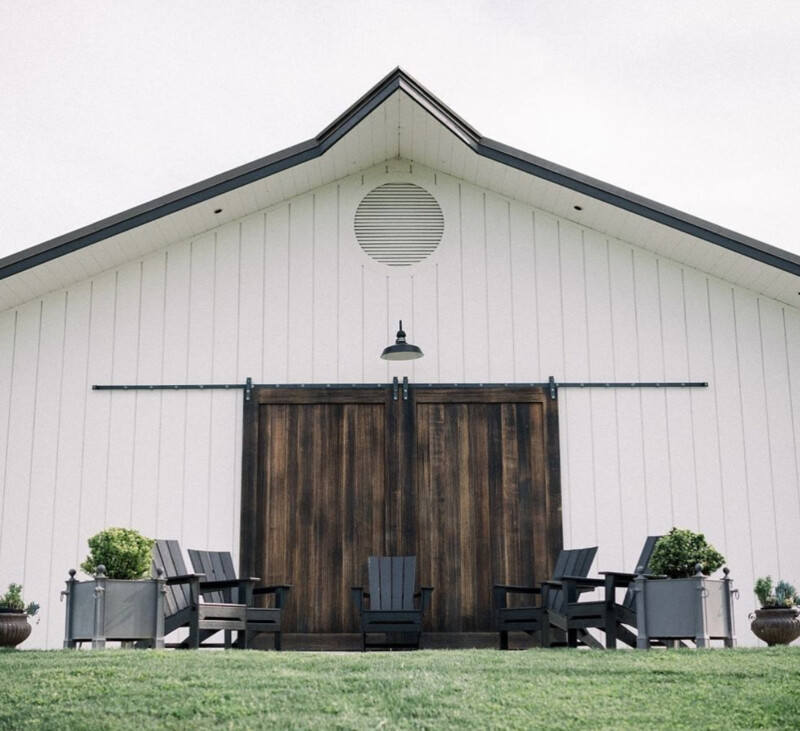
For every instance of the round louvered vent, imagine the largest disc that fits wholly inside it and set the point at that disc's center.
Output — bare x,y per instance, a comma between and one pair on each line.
399,224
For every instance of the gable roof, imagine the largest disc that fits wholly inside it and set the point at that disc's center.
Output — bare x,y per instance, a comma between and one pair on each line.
398,117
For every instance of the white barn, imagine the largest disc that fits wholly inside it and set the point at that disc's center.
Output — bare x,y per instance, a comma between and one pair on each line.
289,272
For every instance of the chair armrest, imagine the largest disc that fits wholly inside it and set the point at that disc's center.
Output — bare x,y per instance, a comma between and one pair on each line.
184,579
425,593
583,581
280,591
500,593
358,594
206,586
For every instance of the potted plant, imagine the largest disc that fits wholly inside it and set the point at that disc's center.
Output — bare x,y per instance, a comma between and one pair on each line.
679,601
119,603
14,613
777,622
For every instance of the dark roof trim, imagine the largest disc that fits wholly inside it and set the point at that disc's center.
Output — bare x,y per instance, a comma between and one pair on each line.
396,80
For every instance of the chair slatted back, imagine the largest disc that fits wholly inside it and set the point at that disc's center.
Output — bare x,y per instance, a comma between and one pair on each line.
644,561
391,582
570,562
217,566
167,556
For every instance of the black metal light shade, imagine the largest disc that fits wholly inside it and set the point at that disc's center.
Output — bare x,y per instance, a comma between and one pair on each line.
401,350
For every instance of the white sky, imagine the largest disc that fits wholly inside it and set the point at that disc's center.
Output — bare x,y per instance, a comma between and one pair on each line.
105,105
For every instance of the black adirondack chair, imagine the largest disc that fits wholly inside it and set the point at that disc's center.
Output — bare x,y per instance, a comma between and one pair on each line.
612,617
535,618
183,605
219,571
394,607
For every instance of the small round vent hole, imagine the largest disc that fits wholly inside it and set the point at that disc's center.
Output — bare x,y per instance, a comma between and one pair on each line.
399,224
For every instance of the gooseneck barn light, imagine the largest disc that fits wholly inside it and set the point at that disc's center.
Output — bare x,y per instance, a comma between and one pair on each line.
401,350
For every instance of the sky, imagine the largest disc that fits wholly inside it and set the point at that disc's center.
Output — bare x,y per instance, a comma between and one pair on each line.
105,105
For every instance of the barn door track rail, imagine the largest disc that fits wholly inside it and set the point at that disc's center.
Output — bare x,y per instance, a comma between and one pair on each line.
551,384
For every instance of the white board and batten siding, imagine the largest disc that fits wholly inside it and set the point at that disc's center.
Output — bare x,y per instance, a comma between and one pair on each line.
287,296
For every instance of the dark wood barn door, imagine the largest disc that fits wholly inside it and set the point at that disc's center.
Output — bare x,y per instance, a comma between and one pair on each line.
464,478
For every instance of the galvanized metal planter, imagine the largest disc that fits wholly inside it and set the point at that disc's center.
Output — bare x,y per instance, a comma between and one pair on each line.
115,610
697,609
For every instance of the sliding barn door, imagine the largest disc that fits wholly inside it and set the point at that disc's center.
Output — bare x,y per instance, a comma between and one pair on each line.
466,479
487,498
317,510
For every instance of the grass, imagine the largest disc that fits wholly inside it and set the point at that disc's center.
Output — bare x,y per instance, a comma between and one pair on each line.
475,689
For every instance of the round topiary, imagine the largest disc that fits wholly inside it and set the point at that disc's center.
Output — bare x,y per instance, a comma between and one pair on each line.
125,553
677,553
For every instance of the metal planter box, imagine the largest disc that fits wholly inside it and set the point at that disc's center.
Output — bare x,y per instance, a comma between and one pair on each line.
697,609
114,610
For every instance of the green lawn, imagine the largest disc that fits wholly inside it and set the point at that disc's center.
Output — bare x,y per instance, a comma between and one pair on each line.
473,689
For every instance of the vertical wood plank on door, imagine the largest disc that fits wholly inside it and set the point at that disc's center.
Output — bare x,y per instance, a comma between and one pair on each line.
121,444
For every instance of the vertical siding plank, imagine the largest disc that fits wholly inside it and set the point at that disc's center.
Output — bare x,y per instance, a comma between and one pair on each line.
200,369
276,296
40,514
8,327
780,434
147,436
325,364
425,325
67,545
224,463
523,279
660,509
374,325
473,276
449,312
301,290
577,456
683,487
92,498
759,484
605,464
731,430
172,452
704,406
500,312
399,306
251,299
119,490
627,404
18,455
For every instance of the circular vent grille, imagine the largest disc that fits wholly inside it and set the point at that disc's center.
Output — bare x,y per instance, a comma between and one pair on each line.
399,224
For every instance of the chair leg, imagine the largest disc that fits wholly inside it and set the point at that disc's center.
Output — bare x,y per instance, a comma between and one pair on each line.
277,640
363,642
503,640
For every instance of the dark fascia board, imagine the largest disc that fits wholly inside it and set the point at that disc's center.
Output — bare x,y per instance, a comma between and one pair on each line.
297,154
